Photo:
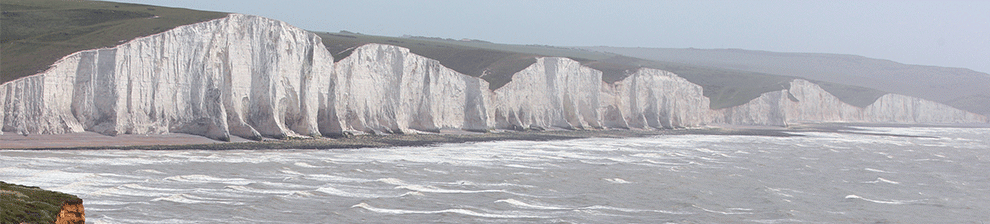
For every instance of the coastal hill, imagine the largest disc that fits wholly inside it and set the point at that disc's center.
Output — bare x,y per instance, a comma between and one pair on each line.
254,77
958,87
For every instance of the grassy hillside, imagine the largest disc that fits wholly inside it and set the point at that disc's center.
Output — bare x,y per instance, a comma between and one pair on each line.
36,33
961,88
23,204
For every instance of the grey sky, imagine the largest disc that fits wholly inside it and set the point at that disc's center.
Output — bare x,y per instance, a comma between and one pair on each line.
940,33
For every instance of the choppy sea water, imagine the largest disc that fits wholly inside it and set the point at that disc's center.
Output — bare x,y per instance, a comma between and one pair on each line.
818,178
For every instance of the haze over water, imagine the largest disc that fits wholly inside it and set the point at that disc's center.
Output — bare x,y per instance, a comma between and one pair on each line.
907,175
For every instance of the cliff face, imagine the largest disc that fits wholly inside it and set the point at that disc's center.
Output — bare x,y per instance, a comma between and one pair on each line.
653,98
251,77
242,75
551,93
382,88
71,213
806,102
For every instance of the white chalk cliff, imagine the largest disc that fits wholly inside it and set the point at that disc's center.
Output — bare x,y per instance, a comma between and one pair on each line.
254,77
806,102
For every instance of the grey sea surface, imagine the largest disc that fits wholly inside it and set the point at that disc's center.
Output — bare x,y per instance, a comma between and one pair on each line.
875,174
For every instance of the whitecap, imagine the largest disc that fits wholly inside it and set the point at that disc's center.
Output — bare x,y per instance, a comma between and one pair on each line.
523,166
191,199
455,211
306,165
733,212
151,171
433,189
198,178
260,191
392,181
881,180
629,210
524,205
876,170
891,202
617,181
338,192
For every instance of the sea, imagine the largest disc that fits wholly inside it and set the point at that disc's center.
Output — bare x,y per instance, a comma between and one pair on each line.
868,175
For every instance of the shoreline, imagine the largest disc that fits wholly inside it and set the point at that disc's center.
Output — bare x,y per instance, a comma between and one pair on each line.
173,141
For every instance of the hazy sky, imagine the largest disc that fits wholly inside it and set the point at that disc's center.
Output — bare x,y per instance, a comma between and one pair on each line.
940,33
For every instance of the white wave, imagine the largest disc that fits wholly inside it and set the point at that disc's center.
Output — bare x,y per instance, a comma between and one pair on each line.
524,205
151,171
392,181
338,192
881,180
260,191
432,189
471,183
524,166
306,165
337,179
104,202
198,178
124,190
192,199
891,202
455,211
617,181
876,170
292,172
734,211
629,210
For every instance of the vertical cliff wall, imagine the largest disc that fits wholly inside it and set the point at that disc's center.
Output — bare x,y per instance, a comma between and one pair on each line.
386,89
242,75
551,93
653,98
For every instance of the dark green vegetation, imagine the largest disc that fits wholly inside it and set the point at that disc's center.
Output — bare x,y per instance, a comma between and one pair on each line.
36,33
957,87
23,204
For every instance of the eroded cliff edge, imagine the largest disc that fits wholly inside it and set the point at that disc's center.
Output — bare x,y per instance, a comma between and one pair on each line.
254,77
24,204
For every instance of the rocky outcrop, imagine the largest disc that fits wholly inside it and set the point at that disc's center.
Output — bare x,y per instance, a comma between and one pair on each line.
254,77
71,213
806,102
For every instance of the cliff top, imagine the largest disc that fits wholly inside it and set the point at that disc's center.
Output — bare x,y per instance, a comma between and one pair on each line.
36,33
23,204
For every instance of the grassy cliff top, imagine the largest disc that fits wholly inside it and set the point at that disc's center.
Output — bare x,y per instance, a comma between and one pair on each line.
23,204
36,33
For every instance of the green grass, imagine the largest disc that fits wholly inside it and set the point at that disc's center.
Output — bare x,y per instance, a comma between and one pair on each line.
36,33
23,204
